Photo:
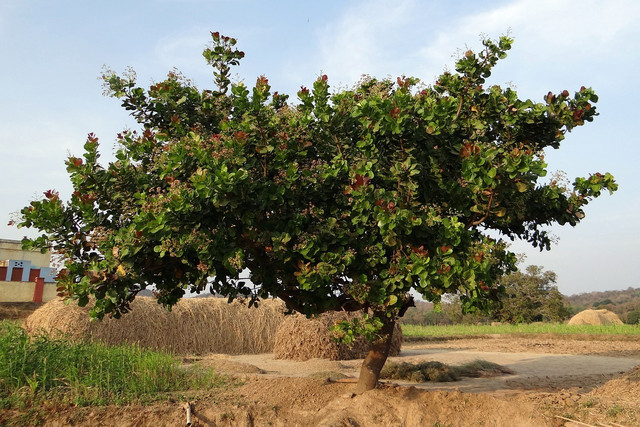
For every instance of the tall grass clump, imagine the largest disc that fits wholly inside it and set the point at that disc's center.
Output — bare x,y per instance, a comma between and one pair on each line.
32,368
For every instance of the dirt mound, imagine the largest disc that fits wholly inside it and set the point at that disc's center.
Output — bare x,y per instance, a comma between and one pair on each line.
311,402
616,402
299,338
595,317
626,388
221,364
194,326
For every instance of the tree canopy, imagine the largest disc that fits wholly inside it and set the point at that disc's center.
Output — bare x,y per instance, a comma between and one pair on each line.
531,296
344,199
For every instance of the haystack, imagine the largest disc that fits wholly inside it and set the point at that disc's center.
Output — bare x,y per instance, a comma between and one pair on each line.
595,317
299,338
194,326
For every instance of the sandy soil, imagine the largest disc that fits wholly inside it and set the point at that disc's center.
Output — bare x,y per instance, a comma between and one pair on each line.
533,371
555,382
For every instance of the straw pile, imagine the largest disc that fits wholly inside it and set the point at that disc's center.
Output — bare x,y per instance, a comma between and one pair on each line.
194,326
595,317
624,389
299,338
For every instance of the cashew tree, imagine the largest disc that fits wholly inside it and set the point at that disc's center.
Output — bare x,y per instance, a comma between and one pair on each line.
341,200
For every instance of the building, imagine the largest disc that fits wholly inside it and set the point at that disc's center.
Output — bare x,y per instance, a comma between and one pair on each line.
25,275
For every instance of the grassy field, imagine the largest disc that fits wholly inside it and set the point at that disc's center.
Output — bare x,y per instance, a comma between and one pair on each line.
33,371
416,331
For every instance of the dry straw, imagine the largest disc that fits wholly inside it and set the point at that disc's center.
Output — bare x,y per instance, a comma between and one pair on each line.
299,338
595,317
194,326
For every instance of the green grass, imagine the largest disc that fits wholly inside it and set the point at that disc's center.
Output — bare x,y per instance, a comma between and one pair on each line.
34,370
444,331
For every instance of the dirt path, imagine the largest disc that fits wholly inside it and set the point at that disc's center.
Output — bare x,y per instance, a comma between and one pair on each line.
533,371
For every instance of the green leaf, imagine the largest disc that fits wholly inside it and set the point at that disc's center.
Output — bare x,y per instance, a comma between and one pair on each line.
83,300
521,186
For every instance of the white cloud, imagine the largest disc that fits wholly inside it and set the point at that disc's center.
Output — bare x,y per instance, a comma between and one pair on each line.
394,37
365,39
183,51
550,34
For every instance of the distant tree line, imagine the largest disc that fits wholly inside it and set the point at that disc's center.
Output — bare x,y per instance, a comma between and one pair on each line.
529,296
625,303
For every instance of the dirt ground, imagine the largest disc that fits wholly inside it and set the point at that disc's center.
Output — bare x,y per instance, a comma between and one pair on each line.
555,382
17,310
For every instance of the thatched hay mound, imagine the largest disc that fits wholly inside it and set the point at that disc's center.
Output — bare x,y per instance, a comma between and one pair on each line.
194,326
595,317
299,338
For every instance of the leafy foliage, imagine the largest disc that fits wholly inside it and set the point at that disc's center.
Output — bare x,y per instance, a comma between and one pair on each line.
344,200
531,297
633,317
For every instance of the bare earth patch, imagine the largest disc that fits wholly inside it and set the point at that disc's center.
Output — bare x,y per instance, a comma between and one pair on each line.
555,381
611,345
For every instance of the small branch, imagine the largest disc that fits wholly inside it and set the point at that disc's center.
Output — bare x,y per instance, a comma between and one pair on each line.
335,139
290,302
459,108
486,215
574,421
187,408
342,380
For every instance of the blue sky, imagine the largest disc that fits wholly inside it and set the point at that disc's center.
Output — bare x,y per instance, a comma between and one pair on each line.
53,53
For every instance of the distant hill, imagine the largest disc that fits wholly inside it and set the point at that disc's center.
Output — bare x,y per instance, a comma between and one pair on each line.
625,303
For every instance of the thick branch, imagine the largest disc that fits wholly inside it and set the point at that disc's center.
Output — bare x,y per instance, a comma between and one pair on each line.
290,302
344,303
408,302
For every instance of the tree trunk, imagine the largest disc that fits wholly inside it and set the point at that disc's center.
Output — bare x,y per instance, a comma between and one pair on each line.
377,356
